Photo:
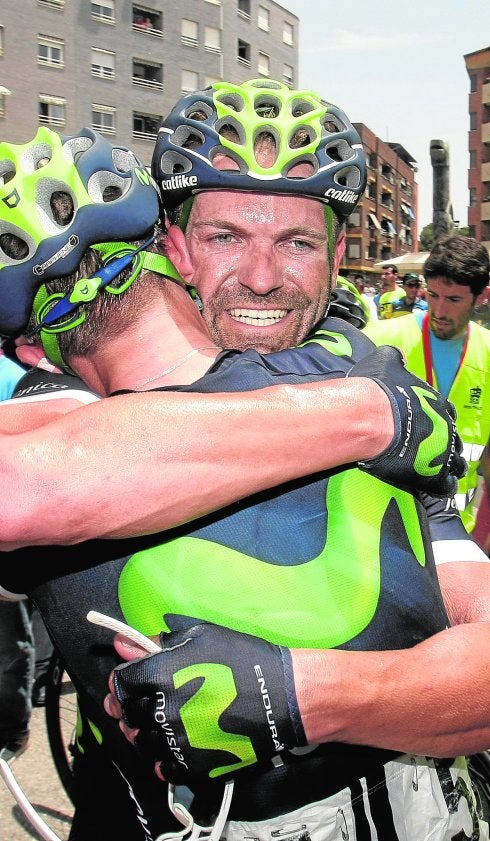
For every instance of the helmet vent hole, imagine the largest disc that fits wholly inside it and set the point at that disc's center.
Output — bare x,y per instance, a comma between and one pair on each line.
13,246
111,193
303,136
267,107
234,101
199,111
229,131
7,172
187,137
300,107
62,207
124,160
332,124
350,177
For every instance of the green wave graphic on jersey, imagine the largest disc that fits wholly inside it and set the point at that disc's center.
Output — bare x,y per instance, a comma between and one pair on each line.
427,446
335,343
320,603
205,732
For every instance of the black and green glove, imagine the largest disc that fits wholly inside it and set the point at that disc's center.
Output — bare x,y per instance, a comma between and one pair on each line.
425,453
212,702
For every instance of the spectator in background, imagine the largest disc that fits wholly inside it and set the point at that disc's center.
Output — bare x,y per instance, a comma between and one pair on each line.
450,351
360,285
403,301
388,282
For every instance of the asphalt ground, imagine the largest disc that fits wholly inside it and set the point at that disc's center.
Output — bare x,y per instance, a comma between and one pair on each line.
36,773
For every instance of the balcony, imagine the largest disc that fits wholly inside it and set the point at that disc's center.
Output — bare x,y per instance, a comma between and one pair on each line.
485,172
485,133
485,94
485,211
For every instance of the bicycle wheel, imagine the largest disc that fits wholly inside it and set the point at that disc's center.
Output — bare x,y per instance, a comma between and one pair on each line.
61,720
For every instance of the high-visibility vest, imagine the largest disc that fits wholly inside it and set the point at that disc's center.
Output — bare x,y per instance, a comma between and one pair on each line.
470,393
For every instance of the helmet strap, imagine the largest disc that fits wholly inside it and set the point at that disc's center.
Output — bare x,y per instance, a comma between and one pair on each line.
331,239
57,312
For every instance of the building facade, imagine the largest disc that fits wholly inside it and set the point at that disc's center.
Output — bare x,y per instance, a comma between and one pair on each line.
119,65
478,68
384,225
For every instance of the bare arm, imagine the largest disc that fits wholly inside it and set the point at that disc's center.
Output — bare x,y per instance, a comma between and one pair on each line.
139,463
432,699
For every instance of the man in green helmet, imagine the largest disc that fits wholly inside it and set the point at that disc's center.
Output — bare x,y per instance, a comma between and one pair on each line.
290,252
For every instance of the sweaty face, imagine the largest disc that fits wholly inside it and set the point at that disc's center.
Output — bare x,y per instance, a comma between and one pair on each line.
260,266
450,307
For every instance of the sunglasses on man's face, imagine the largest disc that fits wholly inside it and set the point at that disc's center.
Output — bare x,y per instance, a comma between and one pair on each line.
413,285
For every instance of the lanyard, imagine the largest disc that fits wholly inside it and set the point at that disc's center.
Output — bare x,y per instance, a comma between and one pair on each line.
429,371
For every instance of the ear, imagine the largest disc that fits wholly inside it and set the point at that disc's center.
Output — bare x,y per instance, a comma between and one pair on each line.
338,253
29,354
482,297
176,249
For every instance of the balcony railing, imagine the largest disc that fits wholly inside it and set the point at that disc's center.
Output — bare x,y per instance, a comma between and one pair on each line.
145,135
147,83
157,33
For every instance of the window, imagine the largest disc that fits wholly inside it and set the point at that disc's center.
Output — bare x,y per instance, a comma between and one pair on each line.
52,109
472,121
354,220
212,39
264,64
148,74
244,8
472,196
148,21
50,51
354,250
288,74
103,10
472,158
288,33
189,33
189,81
103,63
2,40
243,52
145,126
104,119
473,79
4,93
264,19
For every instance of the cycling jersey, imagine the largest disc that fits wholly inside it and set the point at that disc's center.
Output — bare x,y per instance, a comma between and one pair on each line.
402,306
387,301
339,560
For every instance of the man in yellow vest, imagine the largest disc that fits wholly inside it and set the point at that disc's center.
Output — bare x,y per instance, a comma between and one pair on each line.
451,352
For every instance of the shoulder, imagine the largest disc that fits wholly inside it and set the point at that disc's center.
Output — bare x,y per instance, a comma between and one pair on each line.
387,331
38,384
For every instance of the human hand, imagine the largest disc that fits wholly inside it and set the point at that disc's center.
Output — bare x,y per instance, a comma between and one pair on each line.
425,452
212,702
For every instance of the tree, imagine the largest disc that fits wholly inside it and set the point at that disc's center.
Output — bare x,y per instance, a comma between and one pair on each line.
426,240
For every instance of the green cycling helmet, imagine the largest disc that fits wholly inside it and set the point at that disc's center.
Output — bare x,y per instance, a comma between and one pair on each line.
208,140
107,196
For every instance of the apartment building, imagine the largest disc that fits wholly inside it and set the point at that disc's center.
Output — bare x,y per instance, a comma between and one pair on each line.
478,68
384,225
119,65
